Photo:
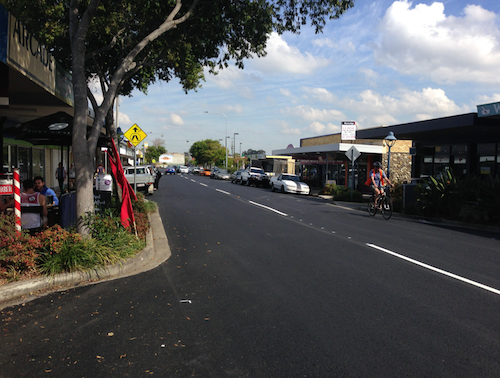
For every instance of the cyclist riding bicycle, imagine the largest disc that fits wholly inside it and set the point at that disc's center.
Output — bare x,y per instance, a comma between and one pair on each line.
377,180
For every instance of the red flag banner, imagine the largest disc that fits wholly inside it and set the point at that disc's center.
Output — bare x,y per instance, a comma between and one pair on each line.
126,213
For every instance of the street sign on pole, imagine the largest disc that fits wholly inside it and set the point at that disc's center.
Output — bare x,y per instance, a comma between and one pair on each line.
135,135
352,153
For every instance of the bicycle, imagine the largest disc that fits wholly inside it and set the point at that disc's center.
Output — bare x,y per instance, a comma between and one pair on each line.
384,205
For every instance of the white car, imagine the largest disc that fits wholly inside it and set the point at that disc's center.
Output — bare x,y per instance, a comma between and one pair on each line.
183,169
288,183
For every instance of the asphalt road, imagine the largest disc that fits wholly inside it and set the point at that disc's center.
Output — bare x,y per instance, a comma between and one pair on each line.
262,284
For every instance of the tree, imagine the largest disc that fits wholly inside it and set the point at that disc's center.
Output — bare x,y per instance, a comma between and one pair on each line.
132,43
154,152
159,142
208,151
249,152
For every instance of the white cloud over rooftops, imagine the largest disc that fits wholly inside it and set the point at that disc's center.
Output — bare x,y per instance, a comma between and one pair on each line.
424,41
283,58
311,114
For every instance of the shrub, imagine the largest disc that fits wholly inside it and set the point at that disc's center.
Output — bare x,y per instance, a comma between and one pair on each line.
468,198
56,250
341,193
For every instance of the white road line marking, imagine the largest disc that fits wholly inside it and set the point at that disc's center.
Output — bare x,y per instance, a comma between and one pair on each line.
223,192
437,270
193,180
203,184
268,208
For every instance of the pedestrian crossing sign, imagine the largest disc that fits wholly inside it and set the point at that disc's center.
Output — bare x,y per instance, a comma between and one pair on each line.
135,135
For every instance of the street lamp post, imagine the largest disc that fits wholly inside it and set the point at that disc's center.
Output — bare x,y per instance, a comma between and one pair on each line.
390,141
234,146
225,139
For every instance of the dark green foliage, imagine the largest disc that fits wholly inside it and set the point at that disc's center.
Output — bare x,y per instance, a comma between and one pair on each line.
341,193
208,152
472,198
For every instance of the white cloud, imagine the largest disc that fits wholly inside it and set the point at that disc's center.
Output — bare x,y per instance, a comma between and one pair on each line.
482,100
285,128
124,119
320,94
311,114
319,128
375,109
226,78
246,92
283,58
448,49
176,119
233,109
285,92
371,76
324,42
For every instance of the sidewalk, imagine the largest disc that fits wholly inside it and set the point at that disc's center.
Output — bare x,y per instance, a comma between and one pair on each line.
363,206
156,252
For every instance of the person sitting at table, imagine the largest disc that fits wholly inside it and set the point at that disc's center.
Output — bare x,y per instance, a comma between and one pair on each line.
46,191
30,198
6,203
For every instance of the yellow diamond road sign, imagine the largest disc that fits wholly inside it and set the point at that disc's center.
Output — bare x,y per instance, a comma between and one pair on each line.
135,135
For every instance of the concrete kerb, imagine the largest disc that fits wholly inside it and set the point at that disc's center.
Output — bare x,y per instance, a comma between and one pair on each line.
156,252
363,206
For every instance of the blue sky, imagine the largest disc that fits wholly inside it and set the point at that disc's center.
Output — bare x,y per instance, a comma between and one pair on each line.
381,63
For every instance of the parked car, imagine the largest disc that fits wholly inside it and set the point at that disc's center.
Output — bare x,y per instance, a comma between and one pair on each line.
145,177
254,176
288,183
170,171
236,177
205,172
222,174
183,169
214,171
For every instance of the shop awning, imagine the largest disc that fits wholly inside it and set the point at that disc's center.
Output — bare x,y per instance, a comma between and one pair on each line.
55,130
334,148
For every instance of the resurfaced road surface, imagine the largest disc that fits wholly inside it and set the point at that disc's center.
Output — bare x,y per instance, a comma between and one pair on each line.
264,284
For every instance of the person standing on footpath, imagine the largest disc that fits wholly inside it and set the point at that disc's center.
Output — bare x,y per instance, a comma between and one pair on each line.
61,176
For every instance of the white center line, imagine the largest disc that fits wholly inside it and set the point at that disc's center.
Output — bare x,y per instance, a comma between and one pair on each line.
223,191
437,270
193,180
268,208
203,184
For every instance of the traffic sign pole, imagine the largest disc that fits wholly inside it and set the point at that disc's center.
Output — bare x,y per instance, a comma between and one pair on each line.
135,158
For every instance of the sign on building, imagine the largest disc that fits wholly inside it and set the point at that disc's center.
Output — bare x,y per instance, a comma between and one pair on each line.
488,110
348,130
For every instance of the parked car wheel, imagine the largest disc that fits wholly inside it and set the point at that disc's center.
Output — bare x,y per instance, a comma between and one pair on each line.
272,188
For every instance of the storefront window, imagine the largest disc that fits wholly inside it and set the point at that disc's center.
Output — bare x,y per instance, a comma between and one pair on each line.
38,162
426,167
459,149
7,158
442,150
23,162
486,158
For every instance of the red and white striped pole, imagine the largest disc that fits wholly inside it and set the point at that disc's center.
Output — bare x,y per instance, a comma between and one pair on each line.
17,199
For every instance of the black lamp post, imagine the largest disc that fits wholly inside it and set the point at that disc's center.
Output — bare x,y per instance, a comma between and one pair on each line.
390,141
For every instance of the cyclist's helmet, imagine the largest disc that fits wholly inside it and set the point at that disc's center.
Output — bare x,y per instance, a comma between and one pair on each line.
377,164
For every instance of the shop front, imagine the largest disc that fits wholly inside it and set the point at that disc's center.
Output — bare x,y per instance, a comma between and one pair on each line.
466,144
322,164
